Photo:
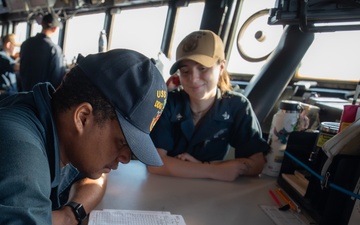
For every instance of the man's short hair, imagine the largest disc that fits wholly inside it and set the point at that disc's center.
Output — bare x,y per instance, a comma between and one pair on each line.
75,89
51,20
10,38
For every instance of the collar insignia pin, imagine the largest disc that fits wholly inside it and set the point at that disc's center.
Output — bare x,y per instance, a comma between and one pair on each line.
179,116
226,116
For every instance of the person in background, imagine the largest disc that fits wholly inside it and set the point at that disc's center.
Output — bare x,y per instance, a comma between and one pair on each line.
58,145
9,67
42,60
205,117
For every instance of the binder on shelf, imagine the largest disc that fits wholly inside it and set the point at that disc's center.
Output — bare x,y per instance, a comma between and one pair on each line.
298,181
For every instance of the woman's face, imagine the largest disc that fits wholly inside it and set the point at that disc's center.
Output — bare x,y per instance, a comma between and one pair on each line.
198,81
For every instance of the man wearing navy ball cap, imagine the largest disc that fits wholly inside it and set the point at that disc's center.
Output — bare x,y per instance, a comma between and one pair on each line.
56,142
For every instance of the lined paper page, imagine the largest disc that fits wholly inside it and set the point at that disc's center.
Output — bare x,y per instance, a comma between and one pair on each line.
134,217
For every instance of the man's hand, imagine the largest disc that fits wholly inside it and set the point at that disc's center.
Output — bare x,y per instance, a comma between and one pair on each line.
64,216
88,192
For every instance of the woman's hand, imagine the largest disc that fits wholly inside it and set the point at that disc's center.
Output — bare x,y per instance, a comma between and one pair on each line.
187,157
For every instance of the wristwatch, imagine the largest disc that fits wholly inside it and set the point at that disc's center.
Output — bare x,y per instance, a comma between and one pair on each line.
78,210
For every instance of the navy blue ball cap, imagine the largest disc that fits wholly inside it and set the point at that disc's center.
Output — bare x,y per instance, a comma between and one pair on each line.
137,91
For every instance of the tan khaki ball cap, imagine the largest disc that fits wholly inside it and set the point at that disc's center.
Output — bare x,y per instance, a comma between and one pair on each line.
203,46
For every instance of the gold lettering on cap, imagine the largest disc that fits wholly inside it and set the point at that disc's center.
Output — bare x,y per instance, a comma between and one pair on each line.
161,93
159,105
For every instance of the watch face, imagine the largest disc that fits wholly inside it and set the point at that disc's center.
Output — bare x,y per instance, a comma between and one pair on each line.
78,210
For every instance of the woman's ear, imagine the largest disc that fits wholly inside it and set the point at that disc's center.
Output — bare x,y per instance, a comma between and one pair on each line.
222,66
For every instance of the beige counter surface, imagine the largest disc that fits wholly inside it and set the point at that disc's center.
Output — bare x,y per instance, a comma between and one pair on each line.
199,201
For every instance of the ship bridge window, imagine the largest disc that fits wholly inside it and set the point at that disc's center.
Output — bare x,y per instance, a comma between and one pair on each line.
252,46
140,30
81,38
332,56
189,20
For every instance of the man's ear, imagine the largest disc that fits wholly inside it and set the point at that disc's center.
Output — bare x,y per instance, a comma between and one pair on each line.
82,115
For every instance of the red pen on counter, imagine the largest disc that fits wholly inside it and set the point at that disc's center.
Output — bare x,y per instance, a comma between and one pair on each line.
281,207
292,205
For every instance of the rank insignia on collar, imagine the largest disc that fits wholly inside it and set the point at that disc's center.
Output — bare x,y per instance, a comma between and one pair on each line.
179,116
226,116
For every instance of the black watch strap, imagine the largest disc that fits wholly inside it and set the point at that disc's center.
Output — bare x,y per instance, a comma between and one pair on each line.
78,210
